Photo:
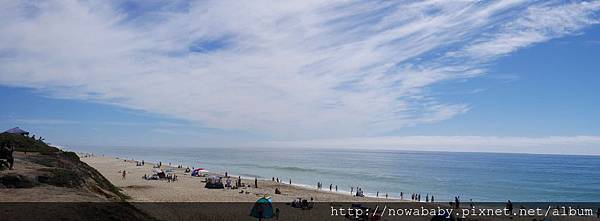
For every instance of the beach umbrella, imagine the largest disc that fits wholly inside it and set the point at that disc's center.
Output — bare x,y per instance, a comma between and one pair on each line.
262,209
201,170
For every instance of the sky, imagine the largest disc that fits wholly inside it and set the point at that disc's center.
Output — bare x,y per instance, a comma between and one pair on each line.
491,76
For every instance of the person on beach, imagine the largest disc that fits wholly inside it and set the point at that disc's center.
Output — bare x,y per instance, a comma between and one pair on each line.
142,162
290,181
123,176
598,213
377,195
427,198
277,179
386,195
335,188
255,182
226,174
457,202
273,179
351,190
432,199
401,195
330,187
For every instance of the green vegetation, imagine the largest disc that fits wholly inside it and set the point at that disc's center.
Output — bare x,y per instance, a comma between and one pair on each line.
26,144
64,168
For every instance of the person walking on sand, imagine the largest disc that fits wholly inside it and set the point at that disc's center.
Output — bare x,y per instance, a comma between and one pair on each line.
457,202
255,182
124,173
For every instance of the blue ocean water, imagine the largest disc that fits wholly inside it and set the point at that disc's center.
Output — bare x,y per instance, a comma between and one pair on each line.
477,176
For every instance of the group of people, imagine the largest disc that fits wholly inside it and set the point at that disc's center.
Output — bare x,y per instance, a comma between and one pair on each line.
331,187
139,164
303,203
359,192
276,179
417,197
171,178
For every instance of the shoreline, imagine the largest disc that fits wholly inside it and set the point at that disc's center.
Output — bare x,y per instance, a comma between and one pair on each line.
191,189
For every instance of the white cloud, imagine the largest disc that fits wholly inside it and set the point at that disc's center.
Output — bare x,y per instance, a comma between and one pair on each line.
575,145
295,69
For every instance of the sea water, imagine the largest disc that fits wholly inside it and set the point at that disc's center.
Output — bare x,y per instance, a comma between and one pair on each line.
478,176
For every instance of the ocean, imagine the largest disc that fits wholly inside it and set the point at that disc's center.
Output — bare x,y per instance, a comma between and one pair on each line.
481,177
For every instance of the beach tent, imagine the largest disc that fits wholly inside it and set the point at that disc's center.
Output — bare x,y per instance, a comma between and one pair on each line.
262,209
197,171
17,130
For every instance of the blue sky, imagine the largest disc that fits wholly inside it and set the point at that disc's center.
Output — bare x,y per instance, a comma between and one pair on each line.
505,76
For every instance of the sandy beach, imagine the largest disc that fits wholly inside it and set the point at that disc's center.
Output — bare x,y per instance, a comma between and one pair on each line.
191,189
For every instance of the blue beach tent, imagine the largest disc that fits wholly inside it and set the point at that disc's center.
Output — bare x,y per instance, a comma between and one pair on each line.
262,209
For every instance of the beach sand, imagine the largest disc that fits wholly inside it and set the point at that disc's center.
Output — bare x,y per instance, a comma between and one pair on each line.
235,205
191,189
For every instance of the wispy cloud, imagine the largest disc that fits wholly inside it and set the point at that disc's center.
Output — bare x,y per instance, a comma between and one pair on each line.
295,69
574,145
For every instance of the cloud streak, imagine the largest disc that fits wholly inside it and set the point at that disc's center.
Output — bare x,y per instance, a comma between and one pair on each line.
574,145
299,69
